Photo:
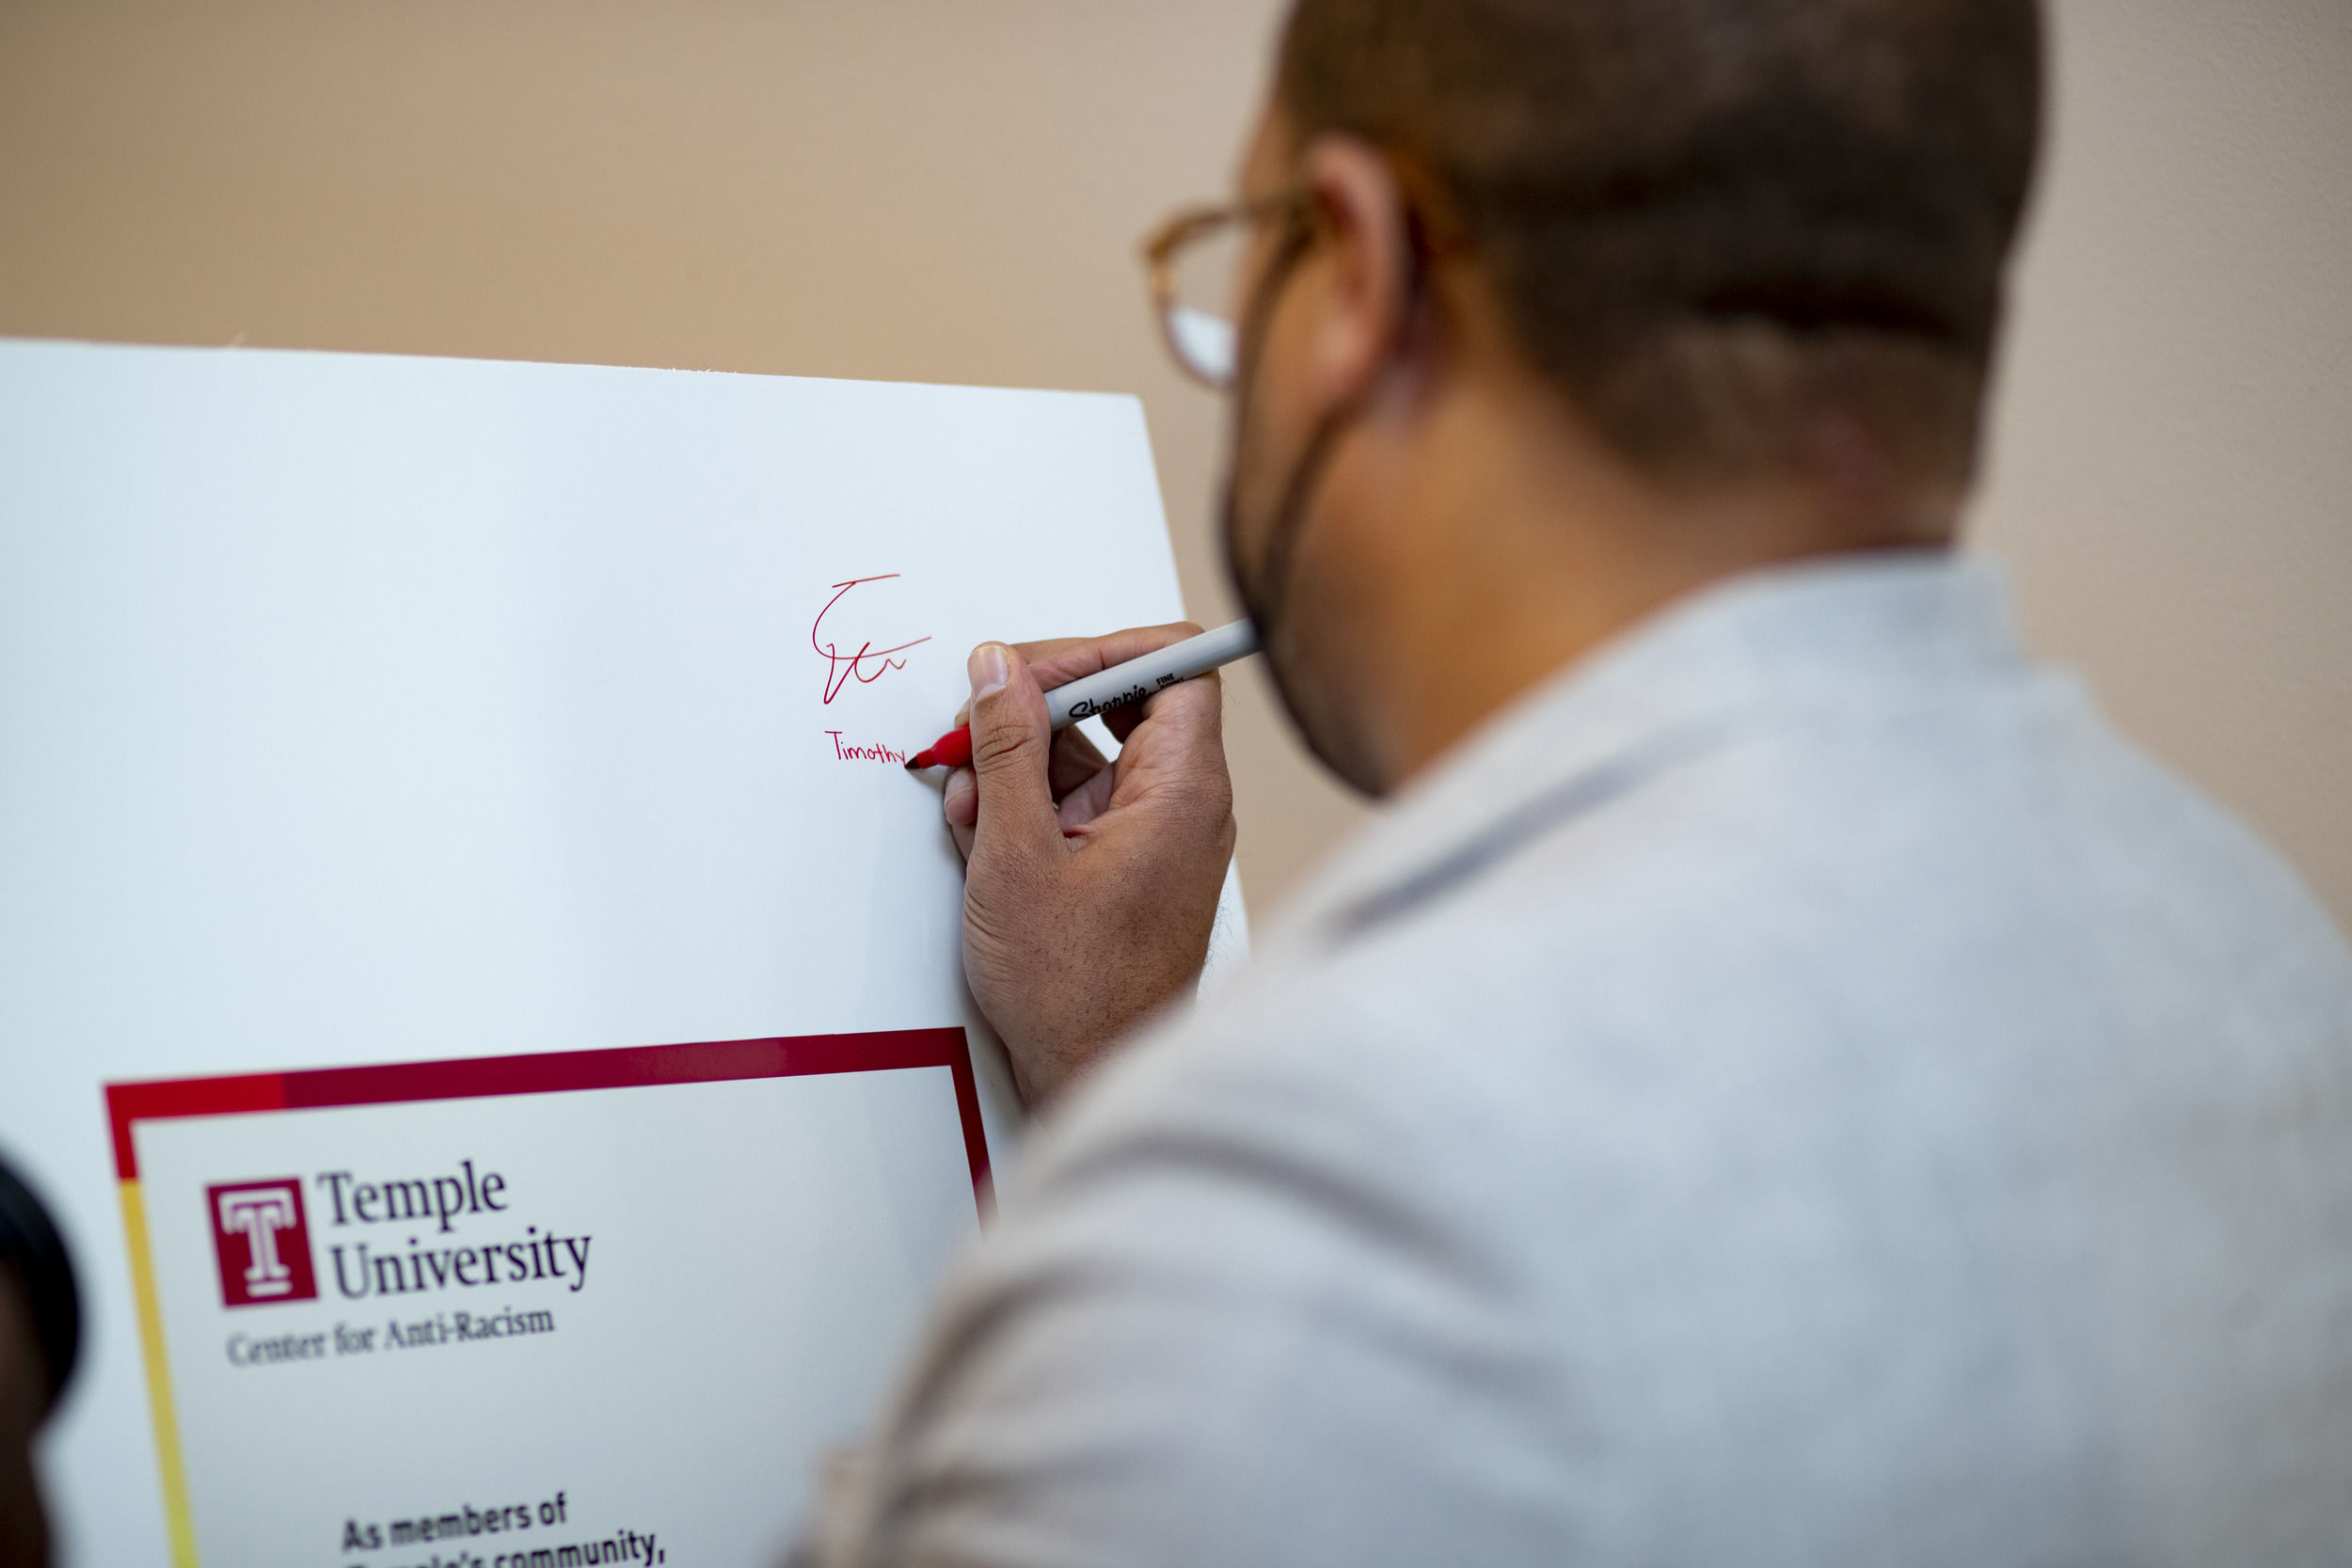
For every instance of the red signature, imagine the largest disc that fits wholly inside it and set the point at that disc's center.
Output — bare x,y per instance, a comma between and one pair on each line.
839,666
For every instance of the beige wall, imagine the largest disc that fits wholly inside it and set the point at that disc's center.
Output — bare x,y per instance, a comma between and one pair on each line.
916,189
2172,463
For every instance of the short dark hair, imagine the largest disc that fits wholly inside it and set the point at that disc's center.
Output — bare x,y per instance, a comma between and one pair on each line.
1711,221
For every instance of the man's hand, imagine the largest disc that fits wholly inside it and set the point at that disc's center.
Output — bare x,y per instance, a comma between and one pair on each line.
1089,888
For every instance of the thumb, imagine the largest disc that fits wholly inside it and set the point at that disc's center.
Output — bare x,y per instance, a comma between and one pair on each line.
1011,744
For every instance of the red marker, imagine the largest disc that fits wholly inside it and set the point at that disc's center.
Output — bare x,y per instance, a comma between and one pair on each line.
1121,684
952,750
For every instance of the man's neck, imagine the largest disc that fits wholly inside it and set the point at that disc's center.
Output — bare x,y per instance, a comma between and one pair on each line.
1513,543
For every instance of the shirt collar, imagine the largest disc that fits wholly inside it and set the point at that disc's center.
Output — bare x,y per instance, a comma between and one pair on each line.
1708,668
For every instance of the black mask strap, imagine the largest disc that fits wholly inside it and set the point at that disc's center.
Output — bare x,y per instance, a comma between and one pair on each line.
1266,597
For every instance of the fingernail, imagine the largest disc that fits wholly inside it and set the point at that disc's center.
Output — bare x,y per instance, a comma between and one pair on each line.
988,670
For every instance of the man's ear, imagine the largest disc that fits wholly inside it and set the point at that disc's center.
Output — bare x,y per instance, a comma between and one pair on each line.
1361,275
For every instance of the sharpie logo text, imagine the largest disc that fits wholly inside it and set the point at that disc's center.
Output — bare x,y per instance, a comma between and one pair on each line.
1087,708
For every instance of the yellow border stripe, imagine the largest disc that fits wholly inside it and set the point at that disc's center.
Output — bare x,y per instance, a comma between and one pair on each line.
176,1520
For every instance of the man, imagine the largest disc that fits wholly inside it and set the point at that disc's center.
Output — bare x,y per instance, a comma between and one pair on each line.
1781,1082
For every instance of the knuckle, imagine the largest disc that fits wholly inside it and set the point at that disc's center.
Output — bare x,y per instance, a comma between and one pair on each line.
995,745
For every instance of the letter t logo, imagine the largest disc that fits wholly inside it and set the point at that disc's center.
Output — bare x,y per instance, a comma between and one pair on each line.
262,1242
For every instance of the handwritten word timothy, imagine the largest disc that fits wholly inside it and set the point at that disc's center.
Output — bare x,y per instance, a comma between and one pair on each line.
864,753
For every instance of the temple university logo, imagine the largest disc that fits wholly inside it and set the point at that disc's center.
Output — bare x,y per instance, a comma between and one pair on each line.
262,1242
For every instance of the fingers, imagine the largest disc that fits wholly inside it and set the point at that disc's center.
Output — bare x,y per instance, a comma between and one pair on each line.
1078,770
1058,661
1078,785
1077,775
1012,750
1076,760
1061,659
960,804
1175,752
1121,721
1090,801
1079,921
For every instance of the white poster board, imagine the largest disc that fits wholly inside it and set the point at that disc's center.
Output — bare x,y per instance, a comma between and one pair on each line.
439,714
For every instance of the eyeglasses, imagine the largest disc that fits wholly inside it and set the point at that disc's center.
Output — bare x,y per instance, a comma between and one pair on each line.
1195,260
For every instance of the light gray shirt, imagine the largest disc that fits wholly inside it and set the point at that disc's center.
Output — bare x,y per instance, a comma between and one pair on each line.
1798,1088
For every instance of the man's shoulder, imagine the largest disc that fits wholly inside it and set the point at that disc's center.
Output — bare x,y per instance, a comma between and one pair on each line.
1941,841
1864,1055
1826,912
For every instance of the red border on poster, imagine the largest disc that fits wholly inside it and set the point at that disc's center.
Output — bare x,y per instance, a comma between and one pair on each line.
554,1072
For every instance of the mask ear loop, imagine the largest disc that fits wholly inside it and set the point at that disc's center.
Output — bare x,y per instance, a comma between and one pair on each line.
1265,598
1297,232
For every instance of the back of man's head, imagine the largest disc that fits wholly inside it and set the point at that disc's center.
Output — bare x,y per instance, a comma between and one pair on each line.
1730,230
